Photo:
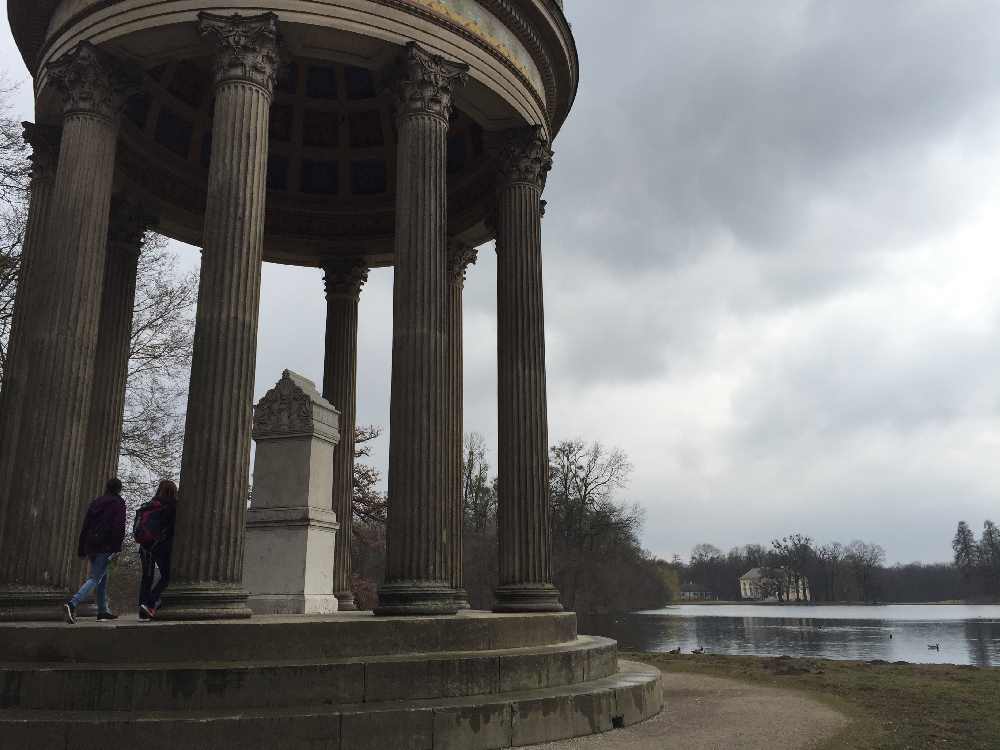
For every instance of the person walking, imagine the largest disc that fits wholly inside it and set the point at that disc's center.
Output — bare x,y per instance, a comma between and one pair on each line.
100,542
154,532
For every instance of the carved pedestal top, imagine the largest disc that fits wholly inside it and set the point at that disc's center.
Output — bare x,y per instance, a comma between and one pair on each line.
294,408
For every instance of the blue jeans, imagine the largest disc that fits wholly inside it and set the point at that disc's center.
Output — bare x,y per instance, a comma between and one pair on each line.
98,579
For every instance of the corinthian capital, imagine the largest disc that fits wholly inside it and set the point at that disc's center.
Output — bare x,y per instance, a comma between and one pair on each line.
425,83
247,47
460,257
344,278
525,157
44,141
92,81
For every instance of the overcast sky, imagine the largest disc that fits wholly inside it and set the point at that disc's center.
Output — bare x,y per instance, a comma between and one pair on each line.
772,263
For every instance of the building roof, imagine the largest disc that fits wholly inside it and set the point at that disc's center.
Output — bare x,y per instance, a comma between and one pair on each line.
754,574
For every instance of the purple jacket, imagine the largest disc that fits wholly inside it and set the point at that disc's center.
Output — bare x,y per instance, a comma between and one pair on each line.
104,527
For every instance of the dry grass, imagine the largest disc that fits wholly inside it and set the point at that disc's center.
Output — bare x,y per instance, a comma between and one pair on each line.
894,706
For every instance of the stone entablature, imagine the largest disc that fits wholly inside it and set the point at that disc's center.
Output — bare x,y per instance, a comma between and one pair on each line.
294,408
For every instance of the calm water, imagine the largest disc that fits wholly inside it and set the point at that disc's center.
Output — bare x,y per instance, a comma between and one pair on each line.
966,634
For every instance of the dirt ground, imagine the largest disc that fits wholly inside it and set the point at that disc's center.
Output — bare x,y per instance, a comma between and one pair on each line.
705,713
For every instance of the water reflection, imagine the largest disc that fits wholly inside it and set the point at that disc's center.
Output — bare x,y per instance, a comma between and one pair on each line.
965,634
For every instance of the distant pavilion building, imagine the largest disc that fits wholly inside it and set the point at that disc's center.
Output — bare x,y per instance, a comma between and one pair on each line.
760,584
697,592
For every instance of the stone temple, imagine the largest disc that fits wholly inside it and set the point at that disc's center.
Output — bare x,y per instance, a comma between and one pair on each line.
338,134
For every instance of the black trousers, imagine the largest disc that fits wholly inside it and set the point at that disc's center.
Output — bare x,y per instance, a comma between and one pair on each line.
158,557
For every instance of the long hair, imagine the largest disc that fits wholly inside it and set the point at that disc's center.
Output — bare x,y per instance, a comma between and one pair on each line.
167,490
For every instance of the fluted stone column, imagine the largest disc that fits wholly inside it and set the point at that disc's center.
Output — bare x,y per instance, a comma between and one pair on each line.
459,258
38,543
343,280
418,555
216,460
44,141
107,399
523,492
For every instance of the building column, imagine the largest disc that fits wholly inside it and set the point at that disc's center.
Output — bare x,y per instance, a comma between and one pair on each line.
38,544
216,460
523,492
460,257
107,399
418,555
343,280
44,142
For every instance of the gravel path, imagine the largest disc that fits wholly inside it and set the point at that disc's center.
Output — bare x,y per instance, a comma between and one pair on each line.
709,713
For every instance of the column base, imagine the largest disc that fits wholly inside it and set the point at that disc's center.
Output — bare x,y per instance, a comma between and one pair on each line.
204,601
345,601
292,604
461,598
416,598
527,597
32,604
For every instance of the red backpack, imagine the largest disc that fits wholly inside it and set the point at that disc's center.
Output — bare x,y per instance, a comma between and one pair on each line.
147,529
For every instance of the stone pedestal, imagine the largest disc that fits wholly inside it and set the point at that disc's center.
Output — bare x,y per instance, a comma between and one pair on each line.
418,555
291,529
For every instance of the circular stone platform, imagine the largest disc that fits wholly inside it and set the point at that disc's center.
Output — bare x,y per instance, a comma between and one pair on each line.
475,680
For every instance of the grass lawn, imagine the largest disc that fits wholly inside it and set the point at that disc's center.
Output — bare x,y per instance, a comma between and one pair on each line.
897,706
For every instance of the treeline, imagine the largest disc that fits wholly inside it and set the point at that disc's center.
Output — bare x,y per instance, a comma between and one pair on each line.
595,544
978,561
836,572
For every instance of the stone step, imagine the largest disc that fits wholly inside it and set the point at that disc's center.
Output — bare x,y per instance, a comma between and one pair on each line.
512,719
273,684
294,637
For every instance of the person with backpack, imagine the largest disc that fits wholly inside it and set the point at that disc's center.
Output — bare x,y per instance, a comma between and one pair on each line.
153,530
100,542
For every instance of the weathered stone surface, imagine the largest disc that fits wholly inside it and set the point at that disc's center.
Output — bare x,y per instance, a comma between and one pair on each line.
522,497
482,727
41,498
291,530
273,715
419,555
347,634
460,257
401,729
343,280
107,398
210,525
44,143
439,677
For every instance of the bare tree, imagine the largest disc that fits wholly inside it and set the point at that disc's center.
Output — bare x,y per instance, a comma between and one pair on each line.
989,556
479,496
865,558
368,504
592,532
15,170
368,511
159,364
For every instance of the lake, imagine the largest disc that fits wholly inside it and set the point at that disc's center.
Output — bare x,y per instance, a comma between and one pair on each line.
966,634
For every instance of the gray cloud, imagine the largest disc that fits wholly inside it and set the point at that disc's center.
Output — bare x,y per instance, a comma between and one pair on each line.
769,266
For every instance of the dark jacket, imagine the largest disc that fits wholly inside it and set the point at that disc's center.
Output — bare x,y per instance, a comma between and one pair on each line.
168,516
104,527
